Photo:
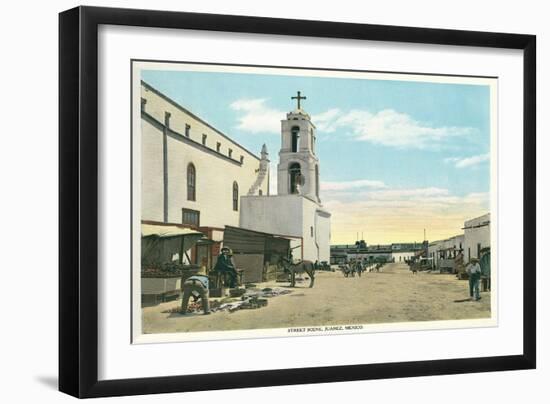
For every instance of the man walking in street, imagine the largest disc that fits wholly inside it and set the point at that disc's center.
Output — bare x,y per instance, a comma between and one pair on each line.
196,286
474,274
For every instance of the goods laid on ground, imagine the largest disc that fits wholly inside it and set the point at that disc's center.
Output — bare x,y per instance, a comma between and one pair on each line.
252,299
248,299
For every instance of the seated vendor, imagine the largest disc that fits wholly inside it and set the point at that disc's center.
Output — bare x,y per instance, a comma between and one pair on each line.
225,266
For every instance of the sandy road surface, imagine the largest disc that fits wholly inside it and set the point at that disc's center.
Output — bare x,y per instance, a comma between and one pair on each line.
392,295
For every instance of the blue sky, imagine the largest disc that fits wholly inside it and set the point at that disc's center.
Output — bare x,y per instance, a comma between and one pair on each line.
387,148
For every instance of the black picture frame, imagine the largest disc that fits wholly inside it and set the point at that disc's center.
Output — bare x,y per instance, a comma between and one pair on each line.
78,200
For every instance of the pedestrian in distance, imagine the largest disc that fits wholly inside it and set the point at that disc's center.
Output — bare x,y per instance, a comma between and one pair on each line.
359,267
196,286
474,275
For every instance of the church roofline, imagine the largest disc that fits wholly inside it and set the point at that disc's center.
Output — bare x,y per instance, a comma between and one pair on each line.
176,135
185,110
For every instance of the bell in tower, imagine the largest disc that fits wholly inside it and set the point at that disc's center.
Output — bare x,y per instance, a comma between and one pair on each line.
298,169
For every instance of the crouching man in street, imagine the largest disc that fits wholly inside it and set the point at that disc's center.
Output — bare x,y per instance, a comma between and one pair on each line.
197,287
474,275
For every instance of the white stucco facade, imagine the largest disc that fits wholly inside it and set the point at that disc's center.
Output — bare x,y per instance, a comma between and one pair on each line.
402,256
477,235
290,215
433,248
172,139
296,211
298,148
446,249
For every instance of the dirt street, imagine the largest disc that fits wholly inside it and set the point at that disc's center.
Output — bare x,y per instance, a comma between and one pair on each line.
393,295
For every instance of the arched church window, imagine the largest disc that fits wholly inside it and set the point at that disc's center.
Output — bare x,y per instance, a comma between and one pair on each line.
235,196
312,141
191,182
296,179
295,131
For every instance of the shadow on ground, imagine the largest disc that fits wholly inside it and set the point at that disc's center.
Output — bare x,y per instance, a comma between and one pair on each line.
48,381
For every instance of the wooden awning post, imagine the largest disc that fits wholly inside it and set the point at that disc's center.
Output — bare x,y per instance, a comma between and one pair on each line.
181,250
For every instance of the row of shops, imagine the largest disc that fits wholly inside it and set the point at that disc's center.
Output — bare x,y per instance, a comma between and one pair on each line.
167,250
450,254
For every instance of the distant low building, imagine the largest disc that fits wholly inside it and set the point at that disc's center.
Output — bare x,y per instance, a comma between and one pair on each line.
397,252
445,253
476,237
446,249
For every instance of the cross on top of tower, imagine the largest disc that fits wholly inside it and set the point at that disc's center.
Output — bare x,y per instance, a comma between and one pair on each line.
298,98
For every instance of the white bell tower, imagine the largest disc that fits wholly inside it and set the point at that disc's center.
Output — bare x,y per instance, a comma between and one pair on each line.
298,169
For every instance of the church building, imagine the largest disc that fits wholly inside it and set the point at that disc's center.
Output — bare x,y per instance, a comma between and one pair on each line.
196,176
192,173
296,210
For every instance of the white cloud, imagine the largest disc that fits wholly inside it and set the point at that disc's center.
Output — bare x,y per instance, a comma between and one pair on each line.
472,161
349,185
384,196
389,128
407,194
257,117
386,127
465,162
325,121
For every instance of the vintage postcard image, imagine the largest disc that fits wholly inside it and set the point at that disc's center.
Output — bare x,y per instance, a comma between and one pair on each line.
271,202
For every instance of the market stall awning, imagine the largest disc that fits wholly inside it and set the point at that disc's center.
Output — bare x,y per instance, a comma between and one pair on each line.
246,241
157,230
160,243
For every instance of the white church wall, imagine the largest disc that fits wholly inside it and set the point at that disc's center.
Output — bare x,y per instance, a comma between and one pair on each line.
307,168
152,172
215,172
304,156
289,215
309,230
156,106
323,237
276,214
316,232
305,133
214,185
